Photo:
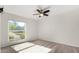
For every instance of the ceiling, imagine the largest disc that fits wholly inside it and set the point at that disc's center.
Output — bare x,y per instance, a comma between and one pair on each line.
29,10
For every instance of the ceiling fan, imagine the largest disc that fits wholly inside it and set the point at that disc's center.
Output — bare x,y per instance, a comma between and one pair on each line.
1,9
42,12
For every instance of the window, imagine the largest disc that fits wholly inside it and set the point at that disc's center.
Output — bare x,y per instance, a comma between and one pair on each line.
16,30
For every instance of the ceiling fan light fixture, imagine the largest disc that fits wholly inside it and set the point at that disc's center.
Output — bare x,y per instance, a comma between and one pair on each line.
41,15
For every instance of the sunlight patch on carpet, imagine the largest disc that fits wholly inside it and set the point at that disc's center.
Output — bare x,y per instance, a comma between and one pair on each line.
36,49
22,46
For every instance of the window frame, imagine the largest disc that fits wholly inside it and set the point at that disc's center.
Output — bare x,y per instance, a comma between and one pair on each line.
24,31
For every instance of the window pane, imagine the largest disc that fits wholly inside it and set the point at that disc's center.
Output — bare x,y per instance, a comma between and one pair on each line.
13,25
16,30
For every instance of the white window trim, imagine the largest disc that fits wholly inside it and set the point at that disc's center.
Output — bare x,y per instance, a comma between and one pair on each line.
23,30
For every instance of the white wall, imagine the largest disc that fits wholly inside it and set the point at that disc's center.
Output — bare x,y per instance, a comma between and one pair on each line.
0,32
61,28
30,28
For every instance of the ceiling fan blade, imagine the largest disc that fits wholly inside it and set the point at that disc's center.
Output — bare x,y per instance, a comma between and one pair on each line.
1,10
38,11
46,11
36,14
45,14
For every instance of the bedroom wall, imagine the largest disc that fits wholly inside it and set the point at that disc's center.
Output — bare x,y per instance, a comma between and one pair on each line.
61,28
0,32
30,28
